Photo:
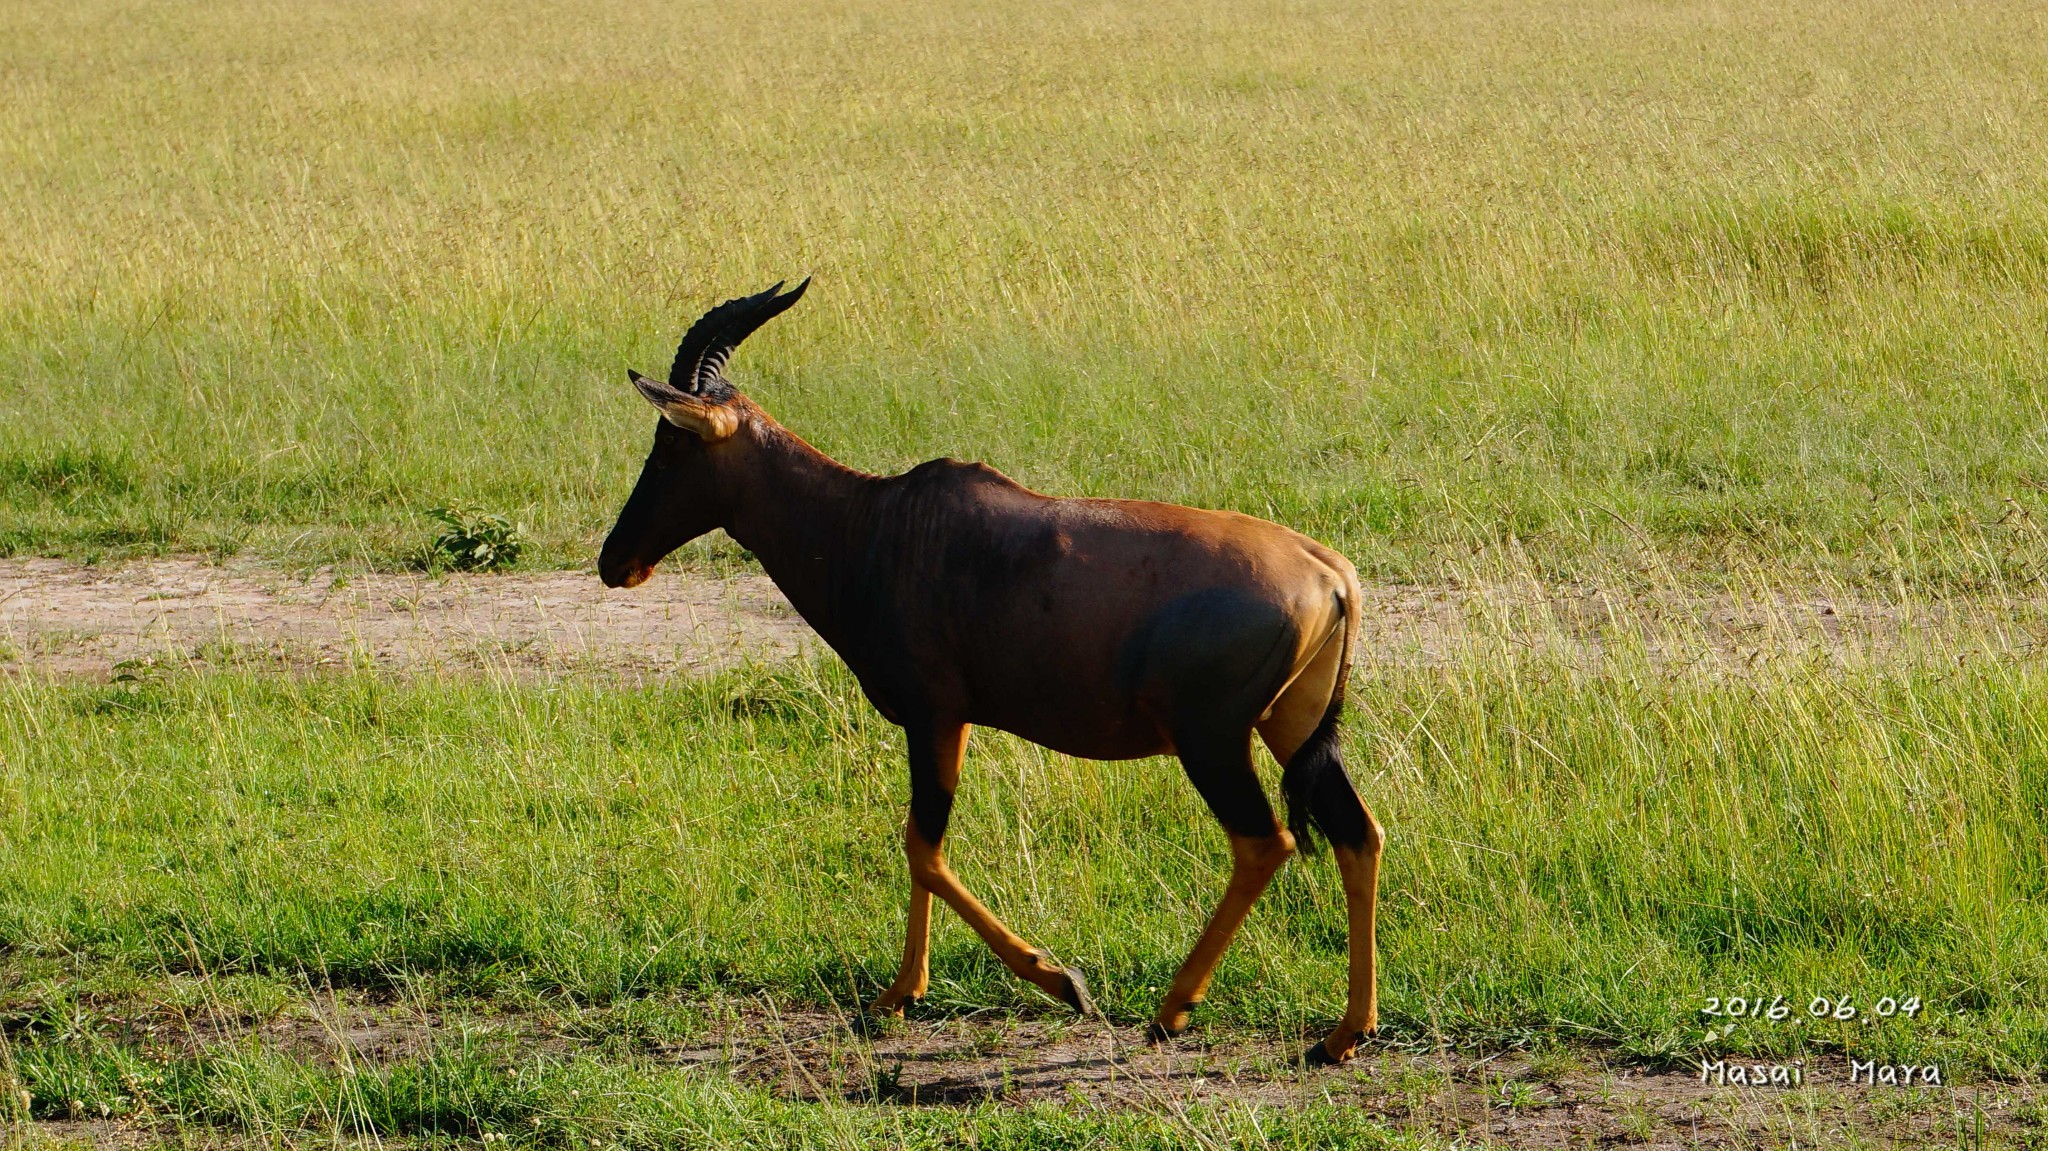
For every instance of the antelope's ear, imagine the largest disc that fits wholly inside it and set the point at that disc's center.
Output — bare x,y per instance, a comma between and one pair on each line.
711,422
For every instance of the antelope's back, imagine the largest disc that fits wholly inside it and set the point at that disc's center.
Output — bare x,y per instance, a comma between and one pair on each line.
1064,620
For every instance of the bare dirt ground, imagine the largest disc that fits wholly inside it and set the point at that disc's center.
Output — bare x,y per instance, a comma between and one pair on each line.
69,620
1554,1099
66,619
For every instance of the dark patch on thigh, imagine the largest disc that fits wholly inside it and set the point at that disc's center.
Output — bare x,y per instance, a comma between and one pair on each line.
1210,660
1220,767
1205,665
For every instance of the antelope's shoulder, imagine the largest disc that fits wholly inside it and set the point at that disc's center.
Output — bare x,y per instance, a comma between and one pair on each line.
961,485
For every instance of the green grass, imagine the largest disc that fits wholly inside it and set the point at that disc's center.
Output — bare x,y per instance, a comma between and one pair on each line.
1557,283
470,1090
1575,858
1747,292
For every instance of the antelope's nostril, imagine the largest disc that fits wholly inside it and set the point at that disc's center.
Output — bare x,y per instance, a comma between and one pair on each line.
626,574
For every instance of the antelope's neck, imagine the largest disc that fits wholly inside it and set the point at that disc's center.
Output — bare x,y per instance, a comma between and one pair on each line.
802,515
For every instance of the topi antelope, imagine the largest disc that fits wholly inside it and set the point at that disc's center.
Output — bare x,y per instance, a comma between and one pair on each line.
1107,629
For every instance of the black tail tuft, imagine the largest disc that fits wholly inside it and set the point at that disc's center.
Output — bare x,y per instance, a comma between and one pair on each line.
1308,772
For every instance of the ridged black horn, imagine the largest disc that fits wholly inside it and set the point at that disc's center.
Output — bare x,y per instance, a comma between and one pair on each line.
700,361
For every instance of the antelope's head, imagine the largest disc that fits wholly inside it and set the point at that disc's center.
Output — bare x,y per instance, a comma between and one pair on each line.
677,497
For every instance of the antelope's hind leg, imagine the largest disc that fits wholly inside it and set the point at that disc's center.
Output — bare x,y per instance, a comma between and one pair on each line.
936,750
1220,767
1295,727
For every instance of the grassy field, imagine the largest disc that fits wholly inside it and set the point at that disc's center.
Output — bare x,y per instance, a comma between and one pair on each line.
1687,295
1579,859
1571,285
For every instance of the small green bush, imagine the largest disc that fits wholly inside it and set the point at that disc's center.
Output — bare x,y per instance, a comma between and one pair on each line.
473,541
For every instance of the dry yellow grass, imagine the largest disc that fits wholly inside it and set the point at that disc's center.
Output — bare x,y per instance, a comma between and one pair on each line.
1739,291
1738,280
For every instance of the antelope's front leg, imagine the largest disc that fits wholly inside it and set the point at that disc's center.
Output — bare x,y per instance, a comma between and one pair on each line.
914,974
935,754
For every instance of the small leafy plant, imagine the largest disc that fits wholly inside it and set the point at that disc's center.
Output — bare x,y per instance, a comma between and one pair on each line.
473,541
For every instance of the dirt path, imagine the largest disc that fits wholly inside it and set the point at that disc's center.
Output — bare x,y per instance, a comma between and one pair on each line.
69,619
1557,1098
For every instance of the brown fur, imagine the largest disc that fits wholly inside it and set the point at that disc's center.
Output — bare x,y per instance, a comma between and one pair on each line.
1107,629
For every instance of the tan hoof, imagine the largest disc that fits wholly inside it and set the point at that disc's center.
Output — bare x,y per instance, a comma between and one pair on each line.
1075,993
893,1001
1164,1026
886,1008
1322,1055
1157,1033
878,1018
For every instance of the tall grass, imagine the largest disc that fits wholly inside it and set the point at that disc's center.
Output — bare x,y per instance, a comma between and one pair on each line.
1575,856
471,1090
1576,286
